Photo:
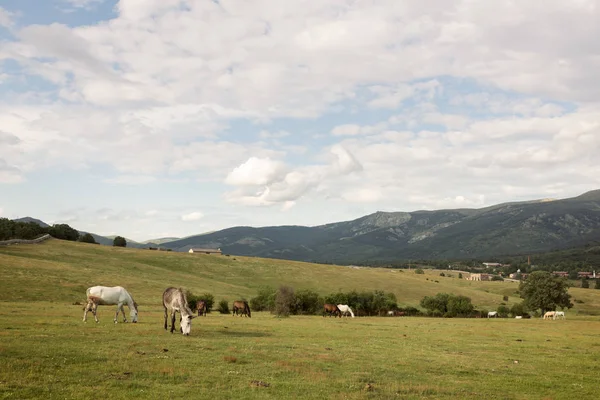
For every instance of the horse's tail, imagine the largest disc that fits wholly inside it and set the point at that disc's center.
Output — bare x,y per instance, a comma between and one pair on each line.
247,307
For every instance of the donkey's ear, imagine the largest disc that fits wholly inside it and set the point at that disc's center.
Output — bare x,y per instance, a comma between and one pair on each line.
191,317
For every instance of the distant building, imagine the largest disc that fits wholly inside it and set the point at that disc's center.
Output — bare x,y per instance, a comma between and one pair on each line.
492,265
586,274
205,251
562,274
479,277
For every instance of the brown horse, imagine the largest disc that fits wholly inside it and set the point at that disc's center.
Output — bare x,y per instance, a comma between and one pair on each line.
331,309
201,305
242,308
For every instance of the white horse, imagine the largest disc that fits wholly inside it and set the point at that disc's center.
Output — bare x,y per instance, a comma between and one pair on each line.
345,309
559,314
549,314
493,314
103,295
174,300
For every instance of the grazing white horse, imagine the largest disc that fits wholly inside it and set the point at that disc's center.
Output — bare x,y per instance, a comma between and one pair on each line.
559,314
549,314
493,314
174,300
345,309
109,296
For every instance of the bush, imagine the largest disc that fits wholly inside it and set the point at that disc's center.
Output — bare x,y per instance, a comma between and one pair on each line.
64,232
460,276
209,300
497,278
87,238
265,300
503,311
119,241
223,307
285,300
308,302
584,283
419,271
518,309
460,306
442,274
505,298
192,300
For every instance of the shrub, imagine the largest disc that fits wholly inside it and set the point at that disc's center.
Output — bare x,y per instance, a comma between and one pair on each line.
223,307
64,232
503,311
584,283
442,274
460,306
285,301
308,302
460,276
265,300
87,238
209,300
497,278
419,271
119,241
192,300
518,309
505,298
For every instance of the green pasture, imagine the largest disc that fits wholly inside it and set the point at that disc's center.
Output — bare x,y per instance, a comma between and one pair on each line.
47,352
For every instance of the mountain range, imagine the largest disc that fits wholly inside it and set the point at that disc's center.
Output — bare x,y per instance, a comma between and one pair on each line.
500,230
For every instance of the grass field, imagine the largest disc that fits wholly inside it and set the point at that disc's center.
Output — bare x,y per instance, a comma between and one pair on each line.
46,351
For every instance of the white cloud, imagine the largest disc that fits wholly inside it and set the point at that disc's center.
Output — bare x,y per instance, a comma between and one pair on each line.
193,216
256,171
282,103
131,179
151,213
6,18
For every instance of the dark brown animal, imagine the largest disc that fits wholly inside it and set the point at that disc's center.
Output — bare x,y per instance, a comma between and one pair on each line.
242,308
331,309
201,305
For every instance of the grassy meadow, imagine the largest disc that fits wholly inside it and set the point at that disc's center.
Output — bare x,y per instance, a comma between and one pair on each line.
46,351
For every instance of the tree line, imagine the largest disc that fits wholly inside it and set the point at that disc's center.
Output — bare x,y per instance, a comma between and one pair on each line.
10,229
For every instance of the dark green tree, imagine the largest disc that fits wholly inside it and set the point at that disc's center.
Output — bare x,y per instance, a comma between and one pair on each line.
460,306
308,302
87,238
120,241
64,232
264,300
209,300
518,309
223,307
545,292
460,276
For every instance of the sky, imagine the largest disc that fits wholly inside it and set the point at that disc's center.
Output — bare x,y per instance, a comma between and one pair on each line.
167,118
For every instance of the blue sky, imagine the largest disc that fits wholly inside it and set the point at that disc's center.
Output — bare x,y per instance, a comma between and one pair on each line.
153,118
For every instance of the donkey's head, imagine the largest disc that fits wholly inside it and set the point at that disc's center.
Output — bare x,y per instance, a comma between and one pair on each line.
133,312
186,324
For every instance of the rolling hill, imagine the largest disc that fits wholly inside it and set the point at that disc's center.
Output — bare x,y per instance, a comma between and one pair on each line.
60,271
504,229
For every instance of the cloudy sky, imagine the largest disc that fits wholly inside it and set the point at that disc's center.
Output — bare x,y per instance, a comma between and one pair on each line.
152,118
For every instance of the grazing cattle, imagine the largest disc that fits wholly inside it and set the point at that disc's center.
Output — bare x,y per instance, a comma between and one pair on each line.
242,308
103,295
344,309
549,315
174,301
493,314
201,305
332,309
559,314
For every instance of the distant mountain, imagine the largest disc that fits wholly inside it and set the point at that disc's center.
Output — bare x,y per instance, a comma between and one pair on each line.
503,229
160,240
29,219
